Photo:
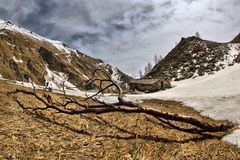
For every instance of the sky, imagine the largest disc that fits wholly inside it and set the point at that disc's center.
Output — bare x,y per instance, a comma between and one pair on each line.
125,33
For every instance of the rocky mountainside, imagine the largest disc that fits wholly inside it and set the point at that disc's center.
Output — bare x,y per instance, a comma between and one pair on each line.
236,39
196,57
24,55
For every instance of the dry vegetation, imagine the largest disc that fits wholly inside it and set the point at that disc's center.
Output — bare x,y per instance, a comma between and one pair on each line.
44,135
36,53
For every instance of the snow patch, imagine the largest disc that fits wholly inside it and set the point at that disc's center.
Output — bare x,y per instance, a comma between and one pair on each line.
115,76
9,26
233,138
59,46
71,91
86,77
64,48
232,54
3,33
17,60
219,108
101,64
57,80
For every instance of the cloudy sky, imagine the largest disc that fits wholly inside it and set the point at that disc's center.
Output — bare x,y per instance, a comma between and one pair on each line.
125,33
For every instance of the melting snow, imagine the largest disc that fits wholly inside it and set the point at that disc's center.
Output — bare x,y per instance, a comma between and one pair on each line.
233,138
3,33
115,76
59,46
56,80
216,96
14,28
86,77
232,54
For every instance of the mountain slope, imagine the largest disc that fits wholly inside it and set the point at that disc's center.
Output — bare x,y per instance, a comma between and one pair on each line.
236,39
196,57
24,55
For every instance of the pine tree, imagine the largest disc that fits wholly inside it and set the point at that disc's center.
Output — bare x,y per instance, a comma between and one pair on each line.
160,58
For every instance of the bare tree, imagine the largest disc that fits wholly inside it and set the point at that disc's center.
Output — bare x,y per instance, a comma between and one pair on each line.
121,105
149,67
33,86
63,83
156,60
160,58
197,34
140,74
145,70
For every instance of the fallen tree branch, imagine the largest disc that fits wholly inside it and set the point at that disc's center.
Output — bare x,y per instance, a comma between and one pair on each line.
108,79
101,107
122,106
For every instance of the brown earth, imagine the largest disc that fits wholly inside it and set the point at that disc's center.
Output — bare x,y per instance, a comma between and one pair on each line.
48,135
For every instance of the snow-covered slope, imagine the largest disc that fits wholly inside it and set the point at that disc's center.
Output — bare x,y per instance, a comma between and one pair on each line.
222,84
216,95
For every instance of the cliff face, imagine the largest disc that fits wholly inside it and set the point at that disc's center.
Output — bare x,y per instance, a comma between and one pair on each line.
25,55
195,57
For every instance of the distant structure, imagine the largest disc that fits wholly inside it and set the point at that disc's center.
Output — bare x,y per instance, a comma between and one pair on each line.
149,85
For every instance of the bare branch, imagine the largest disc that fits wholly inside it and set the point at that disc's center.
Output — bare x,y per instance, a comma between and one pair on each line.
102,108
109,80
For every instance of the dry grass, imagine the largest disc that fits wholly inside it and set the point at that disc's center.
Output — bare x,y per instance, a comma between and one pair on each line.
46,135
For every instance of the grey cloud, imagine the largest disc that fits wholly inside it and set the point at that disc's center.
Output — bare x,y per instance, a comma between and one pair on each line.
3,12
190,1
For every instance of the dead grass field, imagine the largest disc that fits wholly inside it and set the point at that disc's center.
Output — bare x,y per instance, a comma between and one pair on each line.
45,135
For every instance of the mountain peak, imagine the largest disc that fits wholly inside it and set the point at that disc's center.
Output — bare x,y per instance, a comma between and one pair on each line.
196,57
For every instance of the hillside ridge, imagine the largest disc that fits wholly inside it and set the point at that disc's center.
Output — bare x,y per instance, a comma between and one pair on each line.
25,55
194,57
